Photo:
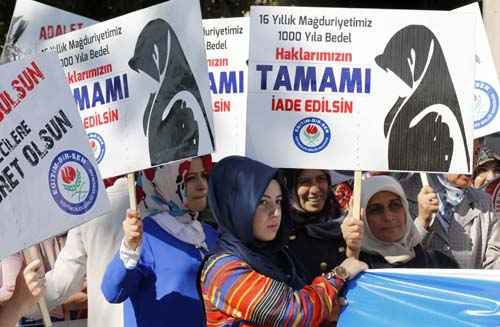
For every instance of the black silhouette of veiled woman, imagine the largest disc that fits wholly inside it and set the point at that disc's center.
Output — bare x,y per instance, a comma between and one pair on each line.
420,126
169,122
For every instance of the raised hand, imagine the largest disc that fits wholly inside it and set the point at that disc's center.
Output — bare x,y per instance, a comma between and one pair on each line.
132,229
428,205
353,233
35,278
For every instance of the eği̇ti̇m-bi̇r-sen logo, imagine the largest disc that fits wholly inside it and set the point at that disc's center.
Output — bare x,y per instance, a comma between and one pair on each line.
73,182
311,134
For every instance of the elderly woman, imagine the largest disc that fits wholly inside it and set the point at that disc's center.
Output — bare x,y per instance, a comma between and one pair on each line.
155,271
391,239
466,226
252,279
315,237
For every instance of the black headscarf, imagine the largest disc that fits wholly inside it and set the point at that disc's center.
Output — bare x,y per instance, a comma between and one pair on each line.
235,188
323,225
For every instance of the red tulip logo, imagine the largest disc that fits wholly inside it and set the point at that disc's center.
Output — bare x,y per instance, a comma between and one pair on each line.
311,134
72,179
68,174
311,129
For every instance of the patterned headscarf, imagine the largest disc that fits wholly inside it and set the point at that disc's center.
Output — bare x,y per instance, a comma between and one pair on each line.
161,194
163,188
486,155
449,196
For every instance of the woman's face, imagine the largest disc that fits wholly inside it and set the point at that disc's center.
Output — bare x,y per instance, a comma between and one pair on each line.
267,217
386,216
460,181
312,190
196,186
486,173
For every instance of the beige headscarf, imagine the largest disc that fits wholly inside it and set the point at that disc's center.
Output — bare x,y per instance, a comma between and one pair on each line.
393,252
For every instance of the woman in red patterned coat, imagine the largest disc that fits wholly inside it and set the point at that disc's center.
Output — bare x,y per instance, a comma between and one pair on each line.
251,279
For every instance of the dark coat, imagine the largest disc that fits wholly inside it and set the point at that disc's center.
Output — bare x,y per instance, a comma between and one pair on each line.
316,239
316,255
423,259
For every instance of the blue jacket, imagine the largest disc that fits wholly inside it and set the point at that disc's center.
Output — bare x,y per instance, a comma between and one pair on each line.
162,289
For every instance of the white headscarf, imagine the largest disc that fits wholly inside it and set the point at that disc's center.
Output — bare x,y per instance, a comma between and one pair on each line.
393,252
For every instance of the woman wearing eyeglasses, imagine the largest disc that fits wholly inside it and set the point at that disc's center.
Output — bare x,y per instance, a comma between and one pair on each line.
388,237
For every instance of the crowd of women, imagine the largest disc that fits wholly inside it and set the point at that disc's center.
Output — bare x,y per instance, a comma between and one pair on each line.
240,243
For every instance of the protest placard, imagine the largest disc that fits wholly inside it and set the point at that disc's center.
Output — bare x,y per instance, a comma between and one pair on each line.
486,86
491,16
140,84
49,181
377,90
226,41
34,22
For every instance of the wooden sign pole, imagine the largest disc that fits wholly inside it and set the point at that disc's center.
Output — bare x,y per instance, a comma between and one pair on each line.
131,191
356,207
31,254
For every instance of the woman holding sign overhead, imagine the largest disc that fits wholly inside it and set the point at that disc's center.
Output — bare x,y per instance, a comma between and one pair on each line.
155,270
252,278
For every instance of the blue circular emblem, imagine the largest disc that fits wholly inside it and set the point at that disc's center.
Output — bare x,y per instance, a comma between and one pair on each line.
311,135
73,182
97,145
486,104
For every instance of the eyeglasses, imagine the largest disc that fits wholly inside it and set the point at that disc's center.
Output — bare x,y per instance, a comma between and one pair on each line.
394,206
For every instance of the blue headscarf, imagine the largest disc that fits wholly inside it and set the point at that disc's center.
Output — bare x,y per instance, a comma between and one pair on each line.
235,188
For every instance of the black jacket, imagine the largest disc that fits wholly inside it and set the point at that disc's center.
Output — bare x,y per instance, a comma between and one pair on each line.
423,259
315,255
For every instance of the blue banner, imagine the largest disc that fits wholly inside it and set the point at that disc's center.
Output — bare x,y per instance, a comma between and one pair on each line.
423,297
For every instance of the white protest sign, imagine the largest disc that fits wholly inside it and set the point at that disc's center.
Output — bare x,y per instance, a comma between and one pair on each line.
140,84
226,41
486,101
361,89
34,22
491,16
49,181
